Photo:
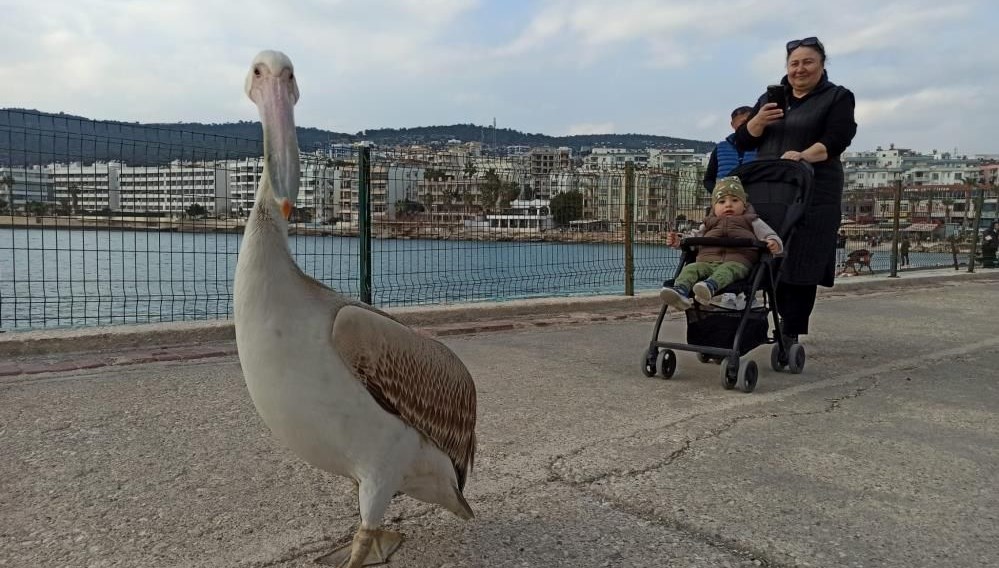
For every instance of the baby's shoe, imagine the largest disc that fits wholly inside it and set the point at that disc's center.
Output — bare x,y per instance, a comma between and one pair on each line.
704,291
677,297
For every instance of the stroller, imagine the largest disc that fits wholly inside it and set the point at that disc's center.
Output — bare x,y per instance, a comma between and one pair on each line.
780,191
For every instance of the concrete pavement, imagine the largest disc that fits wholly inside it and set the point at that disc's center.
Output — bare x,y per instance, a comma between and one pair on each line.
883,453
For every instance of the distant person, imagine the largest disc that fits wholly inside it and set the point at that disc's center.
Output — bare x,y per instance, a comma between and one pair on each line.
816,126
726,157
903,250
717,267
841,249
990,245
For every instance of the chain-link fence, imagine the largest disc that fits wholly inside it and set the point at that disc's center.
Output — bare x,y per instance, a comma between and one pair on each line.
107,223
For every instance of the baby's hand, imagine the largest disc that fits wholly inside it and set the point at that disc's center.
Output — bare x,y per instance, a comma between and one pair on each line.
673,240
773,246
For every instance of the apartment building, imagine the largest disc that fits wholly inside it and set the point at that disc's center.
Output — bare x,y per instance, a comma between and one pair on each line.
612,158
885,167
315,181
543,162
174,188
94,187
676,158
390,184
20,186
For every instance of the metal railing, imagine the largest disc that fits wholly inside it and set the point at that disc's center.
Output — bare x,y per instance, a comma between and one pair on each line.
907,226
107,223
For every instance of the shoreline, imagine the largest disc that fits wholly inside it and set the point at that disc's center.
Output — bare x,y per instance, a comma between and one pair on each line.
392,230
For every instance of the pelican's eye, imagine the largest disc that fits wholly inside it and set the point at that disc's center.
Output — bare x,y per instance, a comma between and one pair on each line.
256,71
292,76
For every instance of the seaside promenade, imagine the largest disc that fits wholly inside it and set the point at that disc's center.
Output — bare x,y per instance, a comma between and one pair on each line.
139,446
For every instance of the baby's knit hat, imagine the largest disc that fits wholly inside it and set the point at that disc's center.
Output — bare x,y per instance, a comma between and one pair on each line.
730,185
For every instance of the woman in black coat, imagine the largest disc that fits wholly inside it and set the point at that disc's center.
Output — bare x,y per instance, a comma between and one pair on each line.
817,126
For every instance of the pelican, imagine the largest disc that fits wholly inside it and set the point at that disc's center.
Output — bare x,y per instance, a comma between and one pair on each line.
343,385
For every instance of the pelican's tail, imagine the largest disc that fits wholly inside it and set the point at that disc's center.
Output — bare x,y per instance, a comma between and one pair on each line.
460,506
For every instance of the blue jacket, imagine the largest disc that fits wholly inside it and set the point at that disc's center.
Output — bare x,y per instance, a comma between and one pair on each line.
725,158
729,157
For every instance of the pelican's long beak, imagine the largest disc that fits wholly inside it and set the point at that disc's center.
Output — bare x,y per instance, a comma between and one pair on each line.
277,114
271,85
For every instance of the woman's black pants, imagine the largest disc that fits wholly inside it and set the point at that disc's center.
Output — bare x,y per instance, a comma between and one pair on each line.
794,304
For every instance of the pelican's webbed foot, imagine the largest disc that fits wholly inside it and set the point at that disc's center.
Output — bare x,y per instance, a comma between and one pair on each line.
370,547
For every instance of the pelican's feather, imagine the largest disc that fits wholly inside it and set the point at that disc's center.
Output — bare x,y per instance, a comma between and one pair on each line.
413,376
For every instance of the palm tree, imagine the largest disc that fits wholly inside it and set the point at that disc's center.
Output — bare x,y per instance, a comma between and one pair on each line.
947,203
916,202
7,181
74,195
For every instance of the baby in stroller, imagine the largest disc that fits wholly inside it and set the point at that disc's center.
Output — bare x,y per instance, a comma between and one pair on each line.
732,216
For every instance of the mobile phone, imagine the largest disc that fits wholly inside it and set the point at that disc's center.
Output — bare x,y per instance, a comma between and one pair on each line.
775,94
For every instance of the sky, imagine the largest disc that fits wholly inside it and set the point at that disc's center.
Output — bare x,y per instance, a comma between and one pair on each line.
925,73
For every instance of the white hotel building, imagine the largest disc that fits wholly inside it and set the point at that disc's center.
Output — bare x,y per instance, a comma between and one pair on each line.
174,188
20,186
93,187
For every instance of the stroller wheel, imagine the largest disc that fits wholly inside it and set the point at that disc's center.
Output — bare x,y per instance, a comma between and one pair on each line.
777,362
796,358
704,357
729,373
666,361
649,363
748,375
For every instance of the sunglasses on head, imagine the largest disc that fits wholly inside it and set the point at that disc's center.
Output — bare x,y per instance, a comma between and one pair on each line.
807,42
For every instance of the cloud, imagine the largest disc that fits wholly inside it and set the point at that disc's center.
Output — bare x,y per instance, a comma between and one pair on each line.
590,128
656,66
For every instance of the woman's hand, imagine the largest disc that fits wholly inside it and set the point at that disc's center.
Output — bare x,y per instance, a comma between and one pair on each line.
769,113
673,240
813,154
773,246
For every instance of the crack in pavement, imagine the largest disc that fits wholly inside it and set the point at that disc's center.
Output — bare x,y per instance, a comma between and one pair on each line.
560,460
586,485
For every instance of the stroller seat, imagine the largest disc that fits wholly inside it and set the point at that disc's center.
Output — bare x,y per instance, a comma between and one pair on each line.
779,191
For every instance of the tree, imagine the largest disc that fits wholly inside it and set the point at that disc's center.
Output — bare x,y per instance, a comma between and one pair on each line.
3,204
916,203
7,182
36,208
405,207
567,207
196,211
432,174
948,203
494,193
489,190
470,169
468,198
74,195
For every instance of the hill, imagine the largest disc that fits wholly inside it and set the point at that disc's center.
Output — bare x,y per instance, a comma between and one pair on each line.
30,137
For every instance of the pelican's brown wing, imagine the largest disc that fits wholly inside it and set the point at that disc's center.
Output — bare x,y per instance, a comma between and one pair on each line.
413,376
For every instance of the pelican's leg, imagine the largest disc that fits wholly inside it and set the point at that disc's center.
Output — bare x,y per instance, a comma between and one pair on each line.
370,546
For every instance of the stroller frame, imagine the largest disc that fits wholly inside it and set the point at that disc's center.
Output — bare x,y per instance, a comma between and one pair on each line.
763,276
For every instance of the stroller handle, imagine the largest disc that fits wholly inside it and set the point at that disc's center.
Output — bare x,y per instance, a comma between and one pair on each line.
722,242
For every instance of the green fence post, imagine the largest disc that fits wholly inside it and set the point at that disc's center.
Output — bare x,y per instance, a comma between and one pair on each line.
629,228
895,222
364,221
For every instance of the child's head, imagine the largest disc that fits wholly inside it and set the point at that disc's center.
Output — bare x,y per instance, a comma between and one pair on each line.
728,197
